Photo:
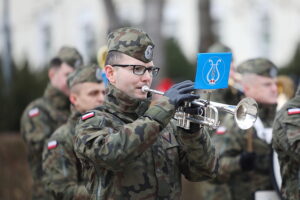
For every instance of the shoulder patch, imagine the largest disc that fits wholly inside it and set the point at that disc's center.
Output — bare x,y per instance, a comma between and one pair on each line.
221,130
52,144
88,115
293,111
33,112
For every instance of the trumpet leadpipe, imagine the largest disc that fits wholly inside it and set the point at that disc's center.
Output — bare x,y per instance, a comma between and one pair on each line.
145,89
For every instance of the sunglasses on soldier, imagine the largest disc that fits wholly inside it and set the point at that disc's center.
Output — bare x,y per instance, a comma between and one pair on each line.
140,69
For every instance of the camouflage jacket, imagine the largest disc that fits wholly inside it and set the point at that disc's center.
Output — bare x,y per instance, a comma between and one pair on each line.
231,141
286,142
131,151
62,169
38,122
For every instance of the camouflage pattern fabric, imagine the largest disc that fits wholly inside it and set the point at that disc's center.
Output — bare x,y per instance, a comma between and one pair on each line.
286,142
231,142
71,56
127,155
258,66
133,42
62,169
39,120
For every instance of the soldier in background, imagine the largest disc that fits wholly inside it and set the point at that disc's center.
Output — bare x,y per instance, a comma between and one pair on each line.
245,155
62,170
130,150
207,190
286,142
42,116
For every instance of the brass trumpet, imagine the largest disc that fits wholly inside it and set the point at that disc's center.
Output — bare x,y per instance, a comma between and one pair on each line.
245,113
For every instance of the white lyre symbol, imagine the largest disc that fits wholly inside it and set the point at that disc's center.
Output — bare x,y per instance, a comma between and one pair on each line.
213,74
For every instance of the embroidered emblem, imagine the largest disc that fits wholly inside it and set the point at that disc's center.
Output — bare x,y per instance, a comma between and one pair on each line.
293,111
34,112
52,144
221,130
149,52
88,115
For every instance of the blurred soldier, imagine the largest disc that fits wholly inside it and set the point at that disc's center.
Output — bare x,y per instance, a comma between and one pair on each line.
245,155
130,150
286,142
44,115
206,190
62,170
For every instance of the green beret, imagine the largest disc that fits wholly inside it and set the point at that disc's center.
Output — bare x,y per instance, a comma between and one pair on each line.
218,47
133,42
90,73
70,56
258,66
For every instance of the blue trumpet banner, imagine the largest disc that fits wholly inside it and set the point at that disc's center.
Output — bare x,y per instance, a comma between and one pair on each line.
212,70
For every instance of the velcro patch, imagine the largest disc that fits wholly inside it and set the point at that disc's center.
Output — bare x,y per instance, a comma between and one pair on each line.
221,130
33,112
52,144
293,111
88,115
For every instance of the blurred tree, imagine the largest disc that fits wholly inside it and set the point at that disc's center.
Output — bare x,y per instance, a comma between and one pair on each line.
293,68
178,68
153,18
113,19
21,94
207,36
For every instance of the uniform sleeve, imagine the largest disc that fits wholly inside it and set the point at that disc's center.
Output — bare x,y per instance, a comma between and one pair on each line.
111,147
286,135
228,147
61,168
198,157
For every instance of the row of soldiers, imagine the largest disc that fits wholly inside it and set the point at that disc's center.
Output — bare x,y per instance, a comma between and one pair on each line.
123,147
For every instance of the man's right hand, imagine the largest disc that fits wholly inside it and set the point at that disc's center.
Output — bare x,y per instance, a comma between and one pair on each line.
180,93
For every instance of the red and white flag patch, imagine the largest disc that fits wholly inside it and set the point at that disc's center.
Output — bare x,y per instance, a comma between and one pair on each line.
88,115
33,112
221,130
52,144
293,111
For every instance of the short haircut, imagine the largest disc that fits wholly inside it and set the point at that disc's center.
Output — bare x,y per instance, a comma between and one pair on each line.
55,63
113,57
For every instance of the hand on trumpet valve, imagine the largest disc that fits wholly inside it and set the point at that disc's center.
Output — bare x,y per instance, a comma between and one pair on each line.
194,110
181,92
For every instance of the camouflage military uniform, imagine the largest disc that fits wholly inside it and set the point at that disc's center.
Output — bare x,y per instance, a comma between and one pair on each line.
42,117
233,143
127,155
286,139
38,122
62,169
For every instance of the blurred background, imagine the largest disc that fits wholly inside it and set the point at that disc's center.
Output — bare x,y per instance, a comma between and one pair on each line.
32,31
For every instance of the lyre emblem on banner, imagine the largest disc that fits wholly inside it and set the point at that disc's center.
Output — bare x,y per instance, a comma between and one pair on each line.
213,74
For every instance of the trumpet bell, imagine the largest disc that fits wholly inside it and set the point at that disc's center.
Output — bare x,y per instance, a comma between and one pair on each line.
246,113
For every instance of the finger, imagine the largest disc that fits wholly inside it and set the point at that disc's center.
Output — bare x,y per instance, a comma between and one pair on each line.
188,97
186,90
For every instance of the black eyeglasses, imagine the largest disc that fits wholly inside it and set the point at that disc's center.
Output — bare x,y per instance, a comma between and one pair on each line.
140,69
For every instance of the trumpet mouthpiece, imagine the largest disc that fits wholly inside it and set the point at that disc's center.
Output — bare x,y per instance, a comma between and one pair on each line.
145,88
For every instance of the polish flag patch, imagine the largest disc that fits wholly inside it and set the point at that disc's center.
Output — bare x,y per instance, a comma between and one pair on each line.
293,111
52,144
34,112
221,130
88,115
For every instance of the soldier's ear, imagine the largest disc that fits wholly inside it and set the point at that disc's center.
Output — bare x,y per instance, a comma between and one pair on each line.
73,98
51,72
110,73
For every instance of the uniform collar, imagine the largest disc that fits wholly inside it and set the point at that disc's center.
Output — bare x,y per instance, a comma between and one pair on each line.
122,103
56,97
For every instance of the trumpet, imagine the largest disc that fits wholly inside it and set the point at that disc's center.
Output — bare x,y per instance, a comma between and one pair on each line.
245,112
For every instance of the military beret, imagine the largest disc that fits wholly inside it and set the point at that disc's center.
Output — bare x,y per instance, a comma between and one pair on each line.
258,66
70,56
90,73
133,42
218,47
